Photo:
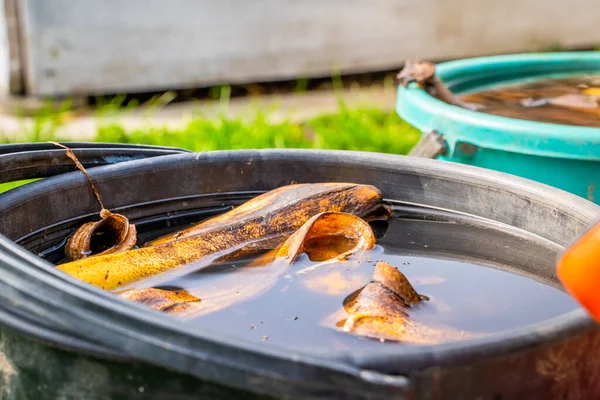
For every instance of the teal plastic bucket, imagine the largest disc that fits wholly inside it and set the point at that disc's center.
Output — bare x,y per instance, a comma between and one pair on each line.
567,157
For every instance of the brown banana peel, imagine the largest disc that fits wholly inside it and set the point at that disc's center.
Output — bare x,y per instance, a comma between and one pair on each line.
272,216
331,240
325,238
352,235
112,234
287,208
380,311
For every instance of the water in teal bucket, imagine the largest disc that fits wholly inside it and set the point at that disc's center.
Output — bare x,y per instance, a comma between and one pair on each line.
538,119
572,100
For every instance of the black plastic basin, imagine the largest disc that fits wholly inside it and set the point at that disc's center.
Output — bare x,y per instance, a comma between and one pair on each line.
61,338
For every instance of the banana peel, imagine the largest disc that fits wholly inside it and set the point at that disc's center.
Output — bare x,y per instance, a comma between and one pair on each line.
112,234
287,208
380,311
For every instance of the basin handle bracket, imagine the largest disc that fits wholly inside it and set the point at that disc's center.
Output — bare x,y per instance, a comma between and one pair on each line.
431,145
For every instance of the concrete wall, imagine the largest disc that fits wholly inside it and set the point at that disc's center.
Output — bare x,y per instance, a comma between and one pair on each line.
92,46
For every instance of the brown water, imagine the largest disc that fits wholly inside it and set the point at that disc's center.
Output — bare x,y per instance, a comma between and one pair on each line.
295,306
571,101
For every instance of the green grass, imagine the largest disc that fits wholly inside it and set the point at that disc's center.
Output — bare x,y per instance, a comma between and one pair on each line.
362,129
359,129
5,187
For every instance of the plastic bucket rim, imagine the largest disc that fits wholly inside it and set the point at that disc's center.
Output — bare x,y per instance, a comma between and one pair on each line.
413,102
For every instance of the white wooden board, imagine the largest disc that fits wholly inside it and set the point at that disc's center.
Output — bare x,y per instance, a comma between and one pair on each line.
91,46
9,65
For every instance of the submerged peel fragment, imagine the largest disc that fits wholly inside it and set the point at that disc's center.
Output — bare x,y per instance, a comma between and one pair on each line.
169,301
380,311
271,217
337,282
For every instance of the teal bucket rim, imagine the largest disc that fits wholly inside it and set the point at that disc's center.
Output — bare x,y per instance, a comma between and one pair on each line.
457,124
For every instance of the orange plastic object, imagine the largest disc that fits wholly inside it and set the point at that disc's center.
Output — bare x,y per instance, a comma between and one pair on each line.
579,271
